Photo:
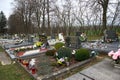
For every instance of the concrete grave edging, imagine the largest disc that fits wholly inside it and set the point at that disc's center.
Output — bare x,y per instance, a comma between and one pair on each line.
64,71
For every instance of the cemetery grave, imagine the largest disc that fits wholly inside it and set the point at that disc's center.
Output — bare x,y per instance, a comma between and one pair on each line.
47,67
39,65
53,40
26,48
24,51
102,47
12,43
109,41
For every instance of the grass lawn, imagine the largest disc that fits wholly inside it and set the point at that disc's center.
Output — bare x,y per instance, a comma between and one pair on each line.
13,72
94,38
1,49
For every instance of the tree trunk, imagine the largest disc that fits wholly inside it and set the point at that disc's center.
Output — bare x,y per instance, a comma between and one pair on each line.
49,32
43,24
105,7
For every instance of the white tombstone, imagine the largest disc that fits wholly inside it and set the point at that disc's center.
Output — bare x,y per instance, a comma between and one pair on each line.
60,37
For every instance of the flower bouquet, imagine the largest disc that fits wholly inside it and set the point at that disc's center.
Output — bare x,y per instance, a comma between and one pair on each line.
115,56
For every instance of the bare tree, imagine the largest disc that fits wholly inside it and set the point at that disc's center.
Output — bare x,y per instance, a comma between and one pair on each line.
63,15
37,15
116,14
25,10
104,5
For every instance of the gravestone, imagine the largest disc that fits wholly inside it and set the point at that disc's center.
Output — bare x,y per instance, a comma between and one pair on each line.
61,37
67,41
78,33
52,36
30,38
43,38
110,36
73,41
82,36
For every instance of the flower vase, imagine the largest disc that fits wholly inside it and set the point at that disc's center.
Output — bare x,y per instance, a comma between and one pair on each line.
33,70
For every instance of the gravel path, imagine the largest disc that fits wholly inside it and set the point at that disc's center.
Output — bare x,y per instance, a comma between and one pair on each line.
106,47
4,59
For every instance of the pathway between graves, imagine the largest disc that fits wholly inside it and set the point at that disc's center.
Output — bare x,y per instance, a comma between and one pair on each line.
101,71
4,59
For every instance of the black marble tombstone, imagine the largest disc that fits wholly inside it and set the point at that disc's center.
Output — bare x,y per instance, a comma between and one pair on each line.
110,36
67,41
73,41
78,33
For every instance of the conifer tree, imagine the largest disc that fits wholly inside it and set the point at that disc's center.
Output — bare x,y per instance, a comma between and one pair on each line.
3,22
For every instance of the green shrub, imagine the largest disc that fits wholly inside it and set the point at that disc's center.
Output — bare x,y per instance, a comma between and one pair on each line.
64,52
58,45
82,54
51,52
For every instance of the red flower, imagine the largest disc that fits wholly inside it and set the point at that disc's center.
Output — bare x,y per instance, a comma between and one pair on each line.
20,53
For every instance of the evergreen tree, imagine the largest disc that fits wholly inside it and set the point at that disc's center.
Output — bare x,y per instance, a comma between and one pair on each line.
3,22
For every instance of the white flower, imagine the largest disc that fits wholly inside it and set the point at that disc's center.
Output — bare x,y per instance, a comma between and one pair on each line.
34,46
56,54
22,47
73,52
61,60
63,46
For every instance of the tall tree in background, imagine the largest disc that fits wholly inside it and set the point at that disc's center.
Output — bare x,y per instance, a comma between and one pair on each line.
3,22
24,9
48,15
115,14
16,24
36,19
43,13
45,16
104,4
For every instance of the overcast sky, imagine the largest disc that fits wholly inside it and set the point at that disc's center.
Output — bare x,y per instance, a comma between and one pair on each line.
6,7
